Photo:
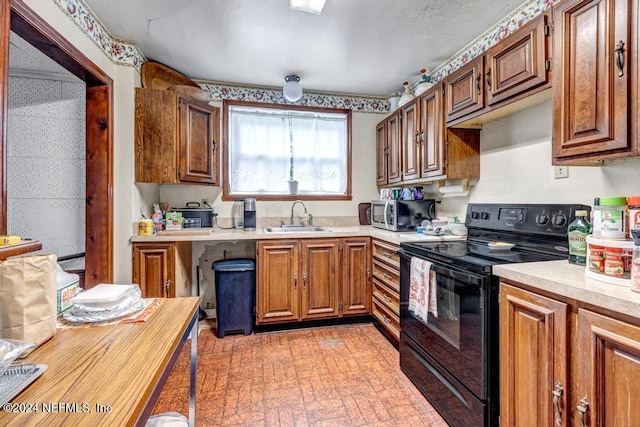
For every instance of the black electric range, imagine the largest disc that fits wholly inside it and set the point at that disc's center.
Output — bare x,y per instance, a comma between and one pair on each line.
452,355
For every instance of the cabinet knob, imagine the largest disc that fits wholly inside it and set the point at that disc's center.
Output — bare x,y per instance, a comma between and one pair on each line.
214,145
304,280
582,408
489,78
167,288
478,81
619,58
557,393
295,281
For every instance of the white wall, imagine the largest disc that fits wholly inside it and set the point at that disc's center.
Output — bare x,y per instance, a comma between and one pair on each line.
127,200
46,163
515,166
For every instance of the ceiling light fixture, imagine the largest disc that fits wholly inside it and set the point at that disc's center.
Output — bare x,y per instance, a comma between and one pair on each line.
292,89
310,6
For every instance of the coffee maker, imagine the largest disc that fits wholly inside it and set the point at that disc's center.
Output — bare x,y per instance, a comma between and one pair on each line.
249,213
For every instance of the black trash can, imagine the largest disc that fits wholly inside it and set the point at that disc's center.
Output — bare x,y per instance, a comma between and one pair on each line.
235,295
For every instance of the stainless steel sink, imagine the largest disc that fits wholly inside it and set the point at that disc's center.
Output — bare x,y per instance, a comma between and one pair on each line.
294,229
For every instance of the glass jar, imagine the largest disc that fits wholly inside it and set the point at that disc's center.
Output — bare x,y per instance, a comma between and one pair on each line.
635,262
613,263
633,213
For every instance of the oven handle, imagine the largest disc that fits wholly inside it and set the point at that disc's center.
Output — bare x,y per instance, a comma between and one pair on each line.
444,270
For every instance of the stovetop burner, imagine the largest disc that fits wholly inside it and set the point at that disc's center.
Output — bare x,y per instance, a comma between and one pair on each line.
537,233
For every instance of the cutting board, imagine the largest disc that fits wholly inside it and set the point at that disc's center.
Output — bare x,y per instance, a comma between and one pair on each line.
187,232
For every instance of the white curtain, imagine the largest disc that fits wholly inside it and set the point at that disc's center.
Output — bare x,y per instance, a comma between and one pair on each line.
267,147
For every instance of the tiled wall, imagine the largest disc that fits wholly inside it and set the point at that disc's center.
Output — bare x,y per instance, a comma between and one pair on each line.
46,163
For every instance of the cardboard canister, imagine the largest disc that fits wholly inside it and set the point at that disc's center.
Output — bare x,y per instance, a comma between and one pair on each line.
145,227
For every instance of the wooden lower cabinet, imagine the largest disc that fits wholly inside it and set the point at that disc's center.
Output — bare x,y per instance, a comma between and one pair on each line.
386,287
309,279
533,358
162,269
563,365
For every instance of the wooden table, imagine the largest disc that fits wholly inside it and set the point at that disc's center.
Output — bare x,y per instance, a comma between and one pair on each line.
109,375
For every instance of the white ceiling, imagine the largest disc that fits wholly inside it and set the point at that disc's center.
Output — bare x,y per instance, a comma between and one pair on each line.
364,47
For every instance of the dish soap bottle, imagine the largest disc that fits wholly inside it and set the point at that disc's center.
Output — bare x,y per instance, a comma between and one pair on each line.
578,231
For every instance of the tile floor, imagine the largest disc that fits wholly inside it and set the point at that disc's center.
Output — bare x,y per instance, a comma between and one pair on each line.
344,375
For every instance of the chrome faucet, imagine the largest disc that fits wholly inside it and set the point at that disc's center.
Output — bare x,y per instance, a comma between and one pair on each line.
310,217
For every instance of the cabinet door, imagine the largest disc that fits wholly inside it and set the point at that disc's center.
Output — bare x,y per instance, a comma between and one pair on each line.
533,359
464,90
431,132
608,391
198,131
519,62
394,132
152,269
382,152
356,276
592,50
277,280
411,140
320,273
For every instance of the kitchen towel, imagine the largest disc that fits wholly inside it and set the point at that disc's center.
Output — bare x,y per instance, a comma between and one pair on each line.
422,290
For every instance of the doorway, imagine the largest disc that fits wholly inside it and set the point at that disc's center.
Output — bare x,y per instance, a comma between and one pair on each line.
99,139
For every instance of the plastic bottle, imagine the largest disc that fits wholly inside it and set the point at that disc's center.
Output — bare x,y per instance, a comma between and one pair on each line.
578,231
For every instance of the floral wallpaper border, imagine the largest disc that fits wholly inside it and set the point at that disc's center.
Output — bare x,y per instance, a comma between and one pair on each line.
221,90
525,13
123,52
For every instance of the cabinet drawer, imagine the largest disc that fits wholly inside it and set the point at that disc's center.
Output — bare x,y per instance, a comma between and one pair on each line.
386,296
388,320
386,275
386,252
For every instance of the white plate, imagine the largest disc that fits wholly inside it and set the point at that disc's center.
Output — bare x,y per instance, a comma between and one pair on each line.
86,317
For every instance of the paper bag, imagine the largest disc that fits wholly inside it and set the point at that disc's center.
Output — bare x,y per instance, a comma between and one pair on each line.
28,298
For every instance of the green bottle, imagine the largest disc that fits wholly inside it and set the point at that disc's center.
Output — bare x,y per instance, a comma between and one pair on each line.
578,231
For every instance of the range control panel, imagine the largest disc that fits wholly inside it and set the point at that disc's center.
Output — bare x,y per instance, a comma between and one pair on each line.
552,219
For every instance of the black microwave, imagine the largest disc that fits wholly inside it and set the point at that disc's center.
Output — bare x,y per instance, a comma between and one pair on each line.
401,215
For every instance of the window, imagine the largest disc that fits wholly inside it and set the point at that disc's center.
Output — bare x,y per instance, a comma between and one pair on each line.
266,146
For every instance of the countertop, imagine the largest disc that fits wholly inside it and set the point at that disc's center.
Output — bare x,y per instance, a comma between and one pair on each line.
342,231
569,280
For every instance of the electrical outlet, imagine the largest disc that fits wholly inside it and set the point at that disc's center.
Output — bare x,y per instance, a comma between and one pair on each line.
562,172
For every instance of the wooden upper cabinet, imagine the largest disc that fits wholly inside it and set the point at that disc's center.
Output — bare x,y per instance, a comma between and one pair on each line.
381,153
176,138
394,159
411,140
431,132
198,135
320,275
608,391
423,136
533,359
594,64
388,140
464,90
520,62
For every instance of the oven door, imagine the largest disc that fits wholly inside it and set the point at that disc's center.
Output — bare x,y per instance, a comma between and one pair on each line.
458,338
